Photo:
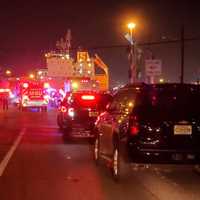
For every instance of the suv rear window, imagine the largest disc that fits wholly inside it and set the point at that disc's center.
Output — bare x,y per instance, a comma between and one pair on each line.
170,102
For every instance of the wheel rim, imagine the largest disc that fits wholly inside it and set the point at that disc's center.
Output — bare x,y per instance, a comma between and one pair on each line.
116,162
96,149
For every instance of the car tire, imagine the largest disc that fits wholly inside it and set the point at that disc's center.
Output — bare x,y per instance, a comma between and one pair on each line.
119,168
96,150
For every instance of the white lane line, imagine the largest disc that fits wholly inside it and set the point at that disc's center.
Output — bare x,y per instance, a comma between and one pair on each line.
9,154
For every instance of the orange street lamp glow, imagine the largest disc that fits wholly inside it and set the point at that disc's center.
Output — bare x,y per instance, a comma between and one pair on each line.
8,72
131,26
31,76
161,80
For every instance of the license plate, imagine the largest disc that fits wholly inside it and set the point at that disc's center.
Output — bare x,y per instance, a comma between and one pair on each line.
182,130
93,114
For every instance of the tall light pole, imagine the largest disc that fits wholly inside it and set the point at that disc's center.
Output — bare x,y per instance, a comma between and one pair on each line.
132,69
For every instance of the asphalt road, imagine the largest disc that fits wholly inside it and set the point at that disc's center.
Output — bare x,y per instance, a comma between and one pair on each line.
36,163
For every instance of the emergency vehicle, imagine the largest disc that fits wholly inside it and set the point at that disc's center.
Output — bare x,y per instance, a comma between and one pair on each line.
33,95
5,92
4,87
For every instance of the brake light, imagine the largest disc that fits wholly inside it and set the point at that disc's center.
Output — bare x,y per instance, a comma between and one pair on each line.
63,109
87,97
134,130
71,112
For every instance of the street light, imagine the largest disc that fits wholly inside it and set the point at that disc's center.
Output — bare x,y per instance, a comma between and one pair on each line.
131,26
132,70
31,76
8,72
161,80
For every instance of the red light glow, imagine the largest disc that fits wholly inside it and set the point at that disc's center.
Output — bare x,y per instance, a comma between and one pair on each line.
134,130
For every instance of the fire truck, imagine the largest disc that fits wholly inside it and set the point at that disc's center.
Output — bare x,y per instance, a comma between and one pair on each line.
33,95
5,92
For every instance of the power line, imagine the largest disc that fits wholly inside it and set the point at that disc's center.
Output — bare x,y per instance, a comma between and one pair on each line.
115,46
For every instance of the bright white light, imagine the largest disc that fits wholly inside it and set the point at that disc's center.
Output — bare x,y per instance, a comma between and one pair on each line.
71,112
46,85
131,25
4,90
11,95
25,85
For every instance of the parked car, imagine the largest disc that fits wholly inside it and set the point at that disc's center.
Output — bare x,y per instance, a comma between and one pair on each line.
79,110
155,123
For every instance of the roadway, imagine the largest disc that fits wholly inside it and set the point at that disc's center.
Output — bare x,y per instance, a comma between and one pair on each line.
37,163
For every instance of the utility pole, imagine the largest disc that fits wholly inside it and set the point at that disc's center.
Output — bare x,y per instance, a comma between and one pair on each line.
182,54
132,52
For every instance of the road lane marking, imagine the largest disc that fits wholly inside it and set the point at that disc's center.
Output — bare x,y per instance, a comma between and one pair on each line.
9,154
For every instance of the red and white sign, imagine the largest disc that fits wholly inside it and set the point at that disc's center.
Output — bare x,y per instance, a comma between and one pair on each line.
153,67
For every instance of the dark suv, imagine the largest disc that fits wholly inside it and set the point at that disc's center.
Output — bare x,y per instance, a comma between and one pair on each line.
79,110
150,123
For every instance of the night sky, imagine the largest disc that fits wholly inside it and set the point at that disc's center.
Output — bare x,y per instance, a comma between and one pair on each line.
29,28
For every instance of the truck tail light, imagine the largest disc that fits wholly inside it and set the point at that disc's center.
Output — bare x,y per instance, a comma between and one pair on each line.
88,97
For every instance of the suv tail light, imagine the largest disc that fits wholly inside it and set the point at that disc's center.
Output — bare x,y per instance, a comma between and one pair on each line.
134,126
134,130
